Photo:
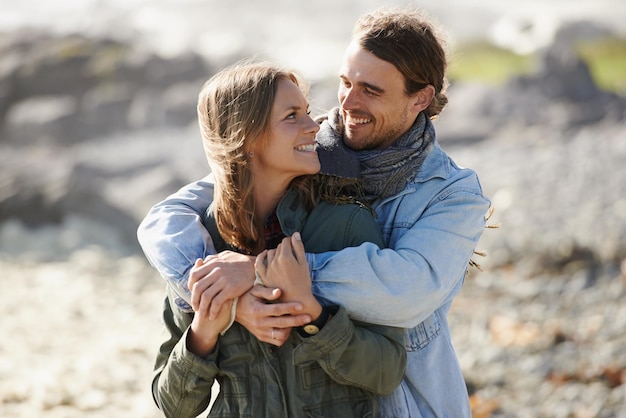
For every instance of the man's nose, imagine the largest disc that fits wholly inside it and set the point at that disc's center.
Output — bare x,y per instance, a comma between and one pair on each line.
348,98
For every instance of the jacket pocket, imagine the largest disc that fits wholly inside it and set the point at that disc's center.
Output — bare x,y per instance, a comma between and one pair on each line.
327,398
421,335
344,408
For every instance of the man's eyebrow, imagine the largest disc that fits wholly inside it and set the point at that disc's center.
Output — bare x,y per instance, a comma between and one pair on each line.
367,85
371,87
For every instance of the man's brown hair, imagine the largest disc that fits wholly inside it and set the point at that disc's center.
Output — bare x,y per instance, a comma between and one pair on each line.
407,39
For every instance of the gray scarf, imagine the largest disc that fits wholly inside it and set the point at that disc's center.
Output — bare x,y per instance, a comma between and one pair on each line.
385,172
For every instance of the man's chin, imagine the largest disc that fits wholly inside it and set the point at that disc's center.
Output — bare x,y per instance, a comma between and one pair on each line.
348,139
353,143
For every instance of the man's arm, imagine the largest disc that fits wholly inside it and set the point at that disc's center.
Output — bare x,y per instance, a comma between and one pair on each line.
420,271
173,237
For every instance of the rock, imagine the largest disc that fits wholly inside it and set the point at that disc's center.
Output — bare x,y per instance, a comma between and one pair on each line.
86,149
463,124
63,90
560,93
63,100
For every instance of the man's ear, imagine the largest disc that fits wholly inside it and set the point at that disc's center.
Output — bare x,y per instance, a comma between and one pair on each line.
421,100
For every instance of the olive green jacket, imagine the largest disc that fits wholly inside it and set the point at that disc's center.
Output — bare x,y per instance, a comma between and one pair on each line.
337,373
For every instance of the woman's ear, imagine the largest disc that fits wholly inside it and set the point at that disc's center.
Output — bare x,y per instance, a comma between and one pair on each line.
421,99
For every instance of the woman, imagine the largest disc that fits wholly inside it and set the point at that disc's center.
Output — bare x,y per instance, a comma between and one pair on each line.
260,143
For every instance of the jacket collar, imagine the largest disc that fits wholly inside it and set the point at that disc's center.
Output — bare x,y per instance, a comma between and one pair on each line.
435,165
291,213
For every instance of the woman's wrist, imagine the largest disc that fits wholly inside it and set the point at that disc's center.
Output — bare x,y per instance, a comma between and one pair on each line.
201,344
313,308
316,325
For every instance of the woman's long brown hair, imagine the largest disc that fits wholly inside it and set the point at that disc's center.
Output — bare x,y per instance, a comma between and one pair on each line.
234,109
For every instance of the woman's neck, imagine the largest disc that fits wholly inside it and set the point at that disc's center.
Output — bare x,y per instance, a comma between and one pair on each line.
266,197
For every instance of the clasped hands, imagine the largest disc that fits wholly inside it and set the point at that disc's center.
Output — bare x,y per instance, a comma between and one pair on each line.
268,311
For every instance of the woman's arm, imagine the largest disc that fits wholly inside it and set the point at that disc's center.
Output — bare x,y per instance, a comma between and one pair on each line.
182,381
366,356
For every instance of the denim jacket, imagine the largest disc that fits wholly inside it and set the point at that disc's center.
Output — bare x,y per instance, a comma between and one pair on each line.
328,374
430,230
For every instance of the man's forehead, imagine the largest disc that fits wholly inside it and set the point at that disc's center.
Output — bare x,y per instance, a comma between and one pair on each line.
361,66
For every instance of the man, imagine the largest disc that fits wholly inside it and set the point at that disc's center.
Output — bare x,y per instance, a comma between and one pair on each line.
432,214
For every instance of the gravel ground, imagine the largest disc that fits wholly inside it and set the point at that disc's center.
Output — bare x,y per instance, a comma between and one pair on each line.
83,333
80,335
540,333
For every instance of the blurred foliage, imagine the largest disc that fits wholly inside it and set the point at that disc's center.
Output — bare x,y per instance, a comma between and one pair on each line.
486,62
607,61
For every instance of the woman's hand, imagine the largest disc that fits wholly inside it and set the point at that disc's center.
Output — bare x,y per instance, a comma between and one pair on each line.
286,268
204,332
218,279
268,319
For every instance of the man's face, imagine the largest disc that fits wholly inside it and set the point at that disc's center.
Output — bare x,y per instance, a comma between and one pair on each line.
375,108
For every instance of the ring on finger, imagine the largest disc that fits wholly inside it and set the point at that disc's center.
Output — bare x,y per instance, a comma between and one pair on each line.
273,333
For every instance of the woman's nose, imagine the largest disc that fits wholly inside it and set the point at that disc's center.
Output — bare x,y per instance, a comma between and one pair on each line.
312,126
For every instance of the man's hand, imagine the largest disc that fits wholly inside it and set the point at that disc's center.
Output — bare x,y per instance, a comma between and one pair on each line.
219,279
269,322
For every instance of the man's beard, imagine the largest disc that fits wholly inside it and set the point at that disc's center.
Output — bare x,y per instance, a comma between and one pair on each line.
381,141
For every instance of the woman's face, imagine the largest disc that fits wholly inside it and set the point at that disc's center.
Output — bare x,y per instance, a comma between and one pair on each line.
289,149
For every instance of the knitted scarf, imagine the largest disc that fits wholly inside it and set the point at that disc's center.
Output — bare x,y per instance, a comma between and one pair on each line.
385,172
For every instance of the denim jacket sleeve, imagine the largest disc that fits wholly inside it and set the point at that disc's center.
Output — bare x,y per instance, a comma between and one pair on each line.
431,231
172,235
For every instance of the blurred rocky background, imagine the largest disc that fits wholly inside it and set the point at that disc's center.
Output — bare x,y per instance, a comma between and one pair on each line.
97,124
